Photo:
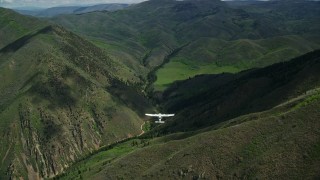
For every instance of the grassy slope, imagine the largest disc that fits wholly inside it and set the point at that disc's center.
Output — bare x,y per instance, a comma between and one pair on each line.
277,137
213,56
209,99
59,100
214,37
93,164
54,75
12,29
280,146
109,33
281,143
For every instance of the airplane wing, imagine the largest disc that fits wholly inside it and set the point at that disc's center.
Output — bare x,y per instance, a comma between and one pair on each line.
155,115
167,115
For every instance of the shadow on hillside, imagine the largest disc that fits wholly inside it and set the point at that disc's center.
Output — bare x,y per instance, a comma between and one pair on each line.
130,96
14,46
210,99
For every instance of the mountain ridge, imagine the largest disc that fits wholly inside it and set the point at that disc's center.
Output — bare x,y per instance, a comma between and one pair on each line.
55,11
252,145
73,103
60,100
148,33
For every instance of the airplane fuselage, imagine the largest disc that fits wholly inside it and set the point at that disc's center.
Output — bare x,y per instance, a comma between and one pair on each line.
159,116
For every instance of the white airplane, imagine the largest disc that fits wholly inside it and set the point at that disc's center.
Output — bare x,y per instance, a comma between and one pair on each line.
160,116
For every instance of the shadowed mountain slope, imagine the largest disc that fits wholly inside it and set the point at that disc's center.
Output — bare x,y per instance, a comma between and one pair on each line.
273,145
214,56
72,107
209,99
275,135
14,28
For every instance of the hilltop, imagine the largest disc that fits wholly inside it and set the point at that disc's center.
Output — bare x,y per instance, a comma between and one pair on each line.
180,39
242,79
55,11
12,29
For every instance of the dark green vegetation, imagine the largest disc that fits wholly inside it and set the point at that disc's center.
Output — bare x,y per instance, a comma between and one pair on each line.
72,106
201,37
210,99
277,137
12,29
61,97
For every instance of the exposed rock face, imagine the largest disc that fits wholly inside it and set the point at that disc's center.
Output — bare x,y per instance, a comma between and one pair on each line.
47,151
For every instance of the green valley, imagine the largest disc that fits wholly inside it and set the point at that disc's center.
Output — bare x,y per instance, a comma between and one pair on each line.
281,142
242,79
200,38
213,56
280,139
262,145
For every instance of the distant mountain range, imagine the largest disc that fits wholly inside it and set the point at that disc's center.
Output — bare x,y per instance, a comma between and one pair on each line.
242,78
54,11
175,40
